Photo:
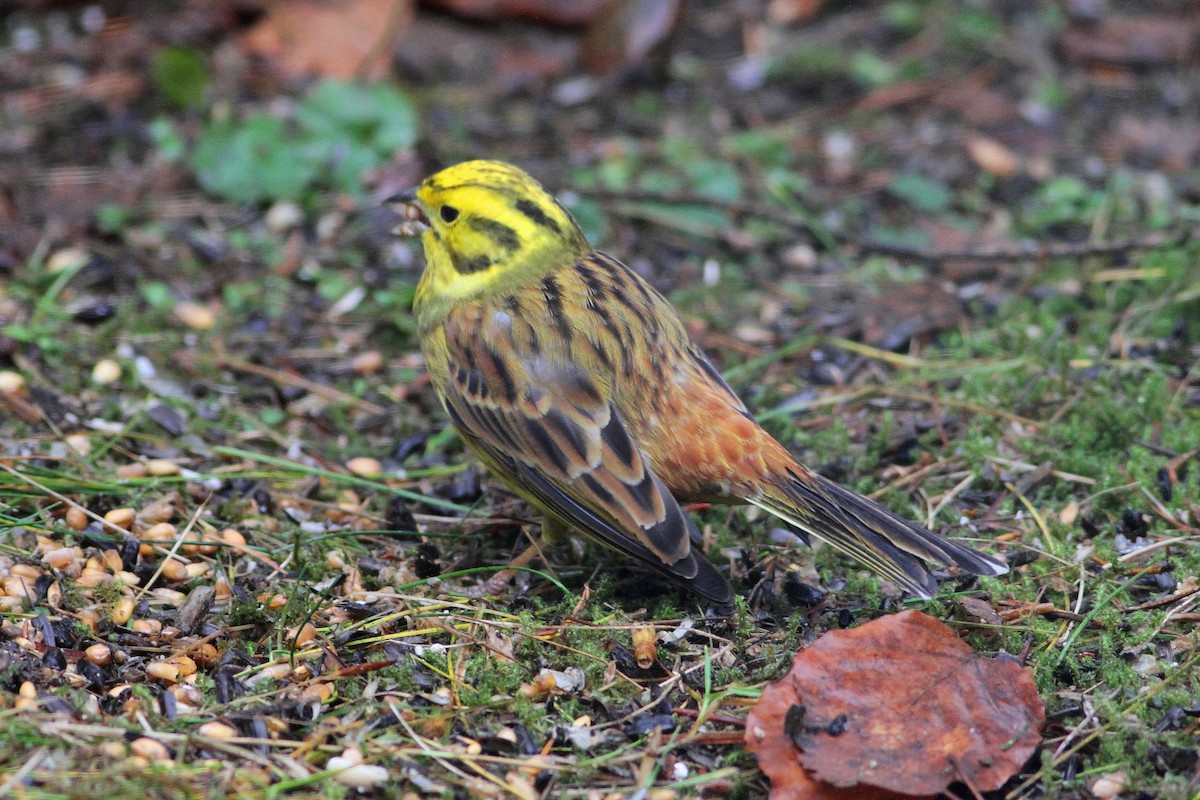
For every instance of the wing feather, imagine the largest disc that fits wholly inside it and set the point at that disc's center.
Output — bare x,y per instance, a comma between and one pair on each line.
550,429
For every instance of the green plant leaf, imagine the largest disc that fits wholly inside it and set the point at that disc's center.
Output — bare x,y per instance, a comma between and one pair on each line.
180,75
377,116
920,192
254,160
716,178
171,145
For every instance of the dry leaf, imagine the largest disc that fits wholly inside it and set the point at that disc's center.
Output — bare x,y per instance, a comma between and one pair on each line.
1146,41
330,38
902,704
1110,785
625,32
546,12
981,610
785,12
909,310
779,760
991,156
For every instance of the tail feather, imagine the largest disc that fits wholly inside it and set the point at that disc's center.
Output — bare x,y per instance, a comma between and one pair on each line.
698,574
891,546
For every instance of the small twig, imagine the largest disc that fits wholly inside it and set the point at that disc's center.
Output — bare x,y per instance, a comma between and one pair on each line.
64,499
719,719
283,378
1027,251
179,540
1162,512
947,497
960,404
1164,601
1142,552
1023,465
1089,715
18,777
904,480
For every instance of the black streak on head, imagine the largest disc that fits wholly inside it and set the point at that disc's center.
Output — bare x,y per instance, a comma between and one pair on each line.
536,215
465,265
504,236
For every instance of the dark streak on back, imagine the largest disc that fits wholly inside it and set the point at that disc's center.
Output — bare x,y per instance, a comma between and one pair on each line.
552,293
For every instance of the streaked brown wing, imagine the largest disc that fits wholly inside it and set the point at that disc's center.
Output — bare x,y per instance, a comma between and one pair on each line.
550,430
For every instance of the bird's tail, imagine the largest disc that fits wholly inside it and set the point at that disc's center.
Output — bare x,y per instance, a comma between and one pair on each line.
889,545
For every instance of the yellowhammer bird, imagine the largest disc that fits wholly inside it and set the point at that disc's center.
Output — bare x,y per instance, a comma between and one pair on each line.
577,384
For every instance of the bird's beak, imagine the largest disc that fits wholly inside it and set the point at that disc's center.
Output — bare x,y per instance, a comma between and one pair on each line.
406,204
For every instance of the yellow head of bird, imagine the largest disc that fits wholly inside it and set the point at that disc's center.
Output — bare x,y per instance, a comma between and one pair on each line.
487,225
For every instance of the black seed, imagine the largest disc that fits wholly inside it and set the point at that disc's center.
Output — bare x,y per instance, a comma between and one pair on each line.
195,607
55,658
406,447
1166,489
426,564
93,674
647,723
466,487
168,418
264,500
129,552
398,517
40,587
225,686
799,593
95,313
1133,523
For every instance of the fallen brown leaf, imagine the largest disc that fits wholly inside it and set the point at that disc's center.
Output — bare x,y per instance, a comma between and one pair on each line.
900,704
982,610
910,310
625,32
343,39
779,759
1146,41
785,12
992,156
546,12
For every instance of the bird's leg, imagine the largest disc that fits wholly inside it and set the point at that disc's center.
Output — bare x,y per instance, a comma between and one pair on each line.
498,582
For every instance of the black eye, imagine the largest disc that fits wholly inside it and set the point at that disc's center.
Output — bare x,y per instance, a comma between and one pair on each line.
449,213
